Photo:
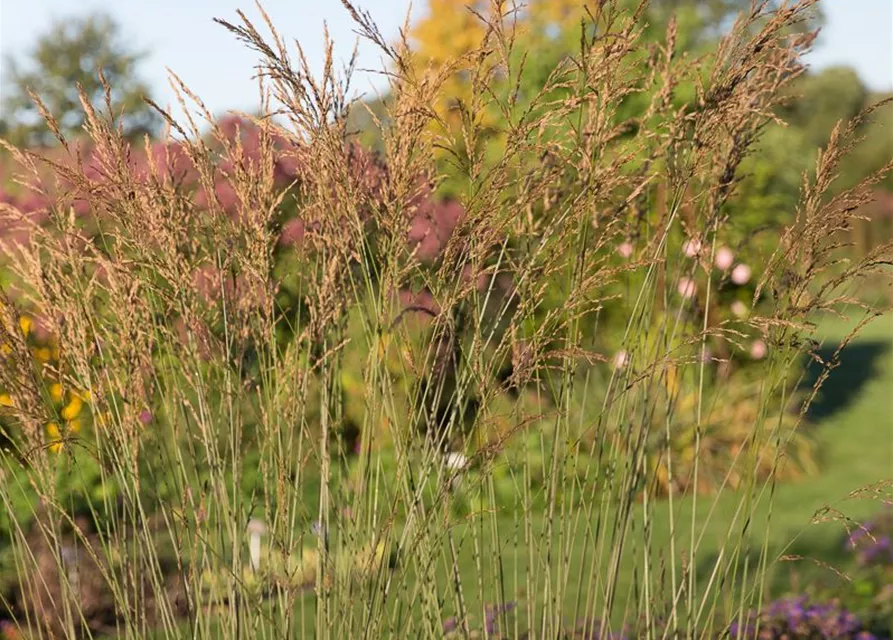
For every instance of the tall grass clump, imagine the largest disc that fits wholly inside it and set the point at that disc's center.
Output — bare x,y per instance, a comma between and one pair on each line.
260,381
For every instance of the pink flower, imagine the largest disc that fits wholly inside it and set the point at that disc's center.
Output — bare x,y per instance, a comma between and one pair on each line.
287,167
692,248
724,258
687,287
292,233
145,417
505,283
431,227
621,359
625,249
171,159
33,202
758,350
739,309
423,304
42,333
482,281
81,206
741,274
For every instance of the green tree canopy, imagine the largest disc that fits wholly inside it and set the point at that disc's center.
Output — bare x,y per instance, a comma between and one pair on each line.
70,53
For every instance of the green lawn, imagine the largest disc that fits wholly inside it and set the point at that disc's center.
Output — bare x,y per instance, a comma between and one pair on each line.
853,426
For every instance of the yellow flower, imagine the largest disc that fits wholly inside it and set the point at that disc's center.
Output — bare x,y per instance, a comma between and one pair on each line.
384,341
55,434
56,392
6,400
103,420
672,380
5,349
55,437
26,324
73,408
83,395
42,354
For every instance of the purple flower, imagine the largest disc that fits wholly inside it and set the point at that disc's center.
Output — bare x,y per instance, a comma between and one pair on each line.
872,543
736,630
450,624
797,617
492,613
591,630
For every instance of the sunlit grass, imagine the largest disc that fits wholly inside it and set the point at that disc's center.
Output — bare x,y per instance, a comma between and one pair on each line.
369,429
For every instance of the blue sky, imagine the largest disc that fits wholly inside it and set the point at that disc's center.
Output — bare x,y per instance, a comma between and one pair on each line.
180,34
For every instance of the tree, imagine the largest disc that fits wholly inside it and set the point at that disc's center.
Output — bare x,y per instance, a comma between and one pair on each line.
71,53
453,28
815,102
547,34
822,98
